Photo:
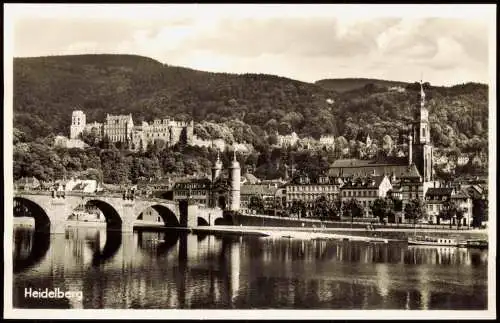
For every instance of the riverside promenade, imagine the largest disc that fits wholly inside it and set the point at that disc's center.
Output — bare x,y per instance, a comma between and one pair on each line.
358,234
285,233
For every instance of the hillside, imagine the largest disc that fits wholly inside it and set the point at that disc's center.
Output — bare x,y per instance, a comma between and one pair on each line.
349,84
47,89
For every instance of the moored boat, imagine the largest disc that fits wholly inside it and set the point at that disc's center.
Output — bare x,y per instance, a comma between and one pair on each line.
479,244
433,241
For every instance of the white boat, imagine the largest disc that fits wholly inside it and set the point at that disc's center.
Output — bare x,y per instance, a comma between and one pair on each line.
433,241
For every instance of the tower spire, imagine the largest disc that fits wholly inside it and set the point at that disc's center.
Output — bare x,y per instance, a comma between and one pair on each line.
422,93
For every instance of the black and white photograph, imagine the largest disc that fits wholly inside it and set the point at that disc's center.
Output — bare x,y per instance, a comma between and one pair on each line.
249,161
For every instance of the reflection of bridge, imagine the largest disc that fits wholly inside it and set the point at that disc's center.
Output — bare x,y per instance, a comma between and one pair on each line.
120,211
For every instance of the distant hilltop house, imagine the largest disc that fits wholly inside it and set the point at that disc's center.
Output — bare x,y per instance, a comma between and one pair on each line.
462,160
290,140
399,89
327,141
121,128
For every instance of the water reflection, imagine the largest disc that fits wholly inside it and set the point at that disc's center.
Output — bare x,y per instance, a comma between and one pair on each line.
30,247
180,270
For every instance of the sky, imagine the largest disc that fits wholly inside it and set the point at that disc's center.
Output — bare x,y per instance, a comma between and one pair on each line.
443,44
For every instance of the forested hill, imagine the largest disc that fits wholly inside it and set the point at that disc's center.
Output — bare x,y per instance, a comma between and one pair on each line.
47,89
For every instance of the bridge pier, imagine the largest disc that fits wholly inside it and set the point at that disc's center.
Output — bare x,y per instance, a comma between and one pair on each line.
59,210
127,227
57,226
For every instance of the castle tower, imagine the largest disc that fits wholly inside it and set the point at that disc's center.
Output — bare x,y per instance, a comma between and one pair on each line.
235,174
422,148
78,121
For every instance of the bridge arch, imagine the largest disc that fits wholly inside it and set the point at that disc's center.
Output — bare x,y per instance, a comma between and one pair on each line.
202,221
28,207
113,218
170,219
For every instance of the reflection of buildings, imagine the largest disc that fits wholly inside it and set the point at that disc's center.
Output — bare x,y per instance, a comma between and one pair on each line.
424,287
383,279
167,269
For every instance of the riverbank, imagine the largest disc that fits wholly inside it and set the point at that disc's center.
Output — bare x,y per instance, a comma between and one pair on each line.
346,224
391,234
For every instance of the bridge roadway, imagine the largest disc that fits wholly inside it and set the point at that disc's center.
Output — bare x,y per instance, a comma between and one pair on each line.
52,209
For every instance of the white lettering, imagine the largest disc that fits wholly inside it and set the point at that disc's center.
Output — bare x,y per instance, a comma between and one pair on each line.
53,293
28,293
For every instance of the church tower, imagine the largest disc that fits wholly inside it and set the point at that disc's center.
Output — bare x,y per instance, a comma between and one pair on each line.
422,148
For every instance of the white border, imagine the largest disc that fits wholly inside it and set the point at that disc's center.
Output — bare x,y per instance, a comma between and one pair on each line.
487,12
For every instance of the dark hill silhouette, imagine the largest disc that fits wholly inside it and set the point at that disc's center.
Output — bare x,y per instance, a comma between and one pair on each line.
47,89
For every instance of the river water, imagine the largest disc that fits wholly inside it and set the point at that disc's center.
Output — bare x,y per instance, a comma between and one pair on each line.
168,270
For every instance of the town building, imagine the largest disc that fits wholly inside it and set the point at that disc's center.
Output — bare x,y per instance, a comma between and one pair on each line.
27,183
436,199
464,202
365,190
265,192
196,190
302,188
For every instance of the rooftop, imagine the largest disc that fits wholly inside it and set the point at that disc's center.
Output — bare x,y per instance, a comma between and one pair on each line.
439,191
258,189
369,182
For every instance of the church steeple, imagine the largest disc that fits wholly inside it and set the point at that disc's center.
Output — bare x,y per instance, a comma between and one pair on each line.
422,149
422,129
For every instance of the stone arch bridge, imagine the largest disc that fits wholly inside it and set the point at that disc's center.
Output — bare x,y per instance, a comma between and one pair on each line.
52,209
